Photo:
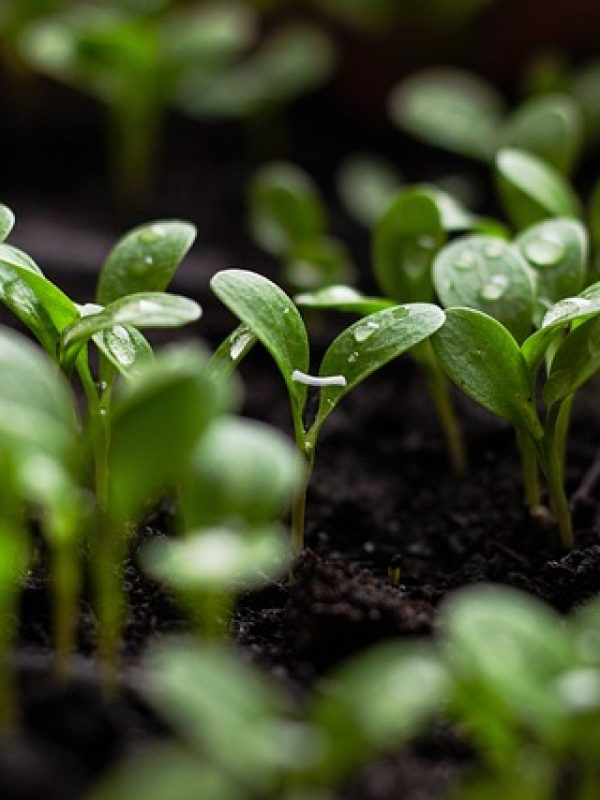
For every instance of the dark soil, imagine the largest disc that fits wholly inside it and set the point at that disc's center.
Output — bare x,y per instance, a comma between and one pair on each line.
382,490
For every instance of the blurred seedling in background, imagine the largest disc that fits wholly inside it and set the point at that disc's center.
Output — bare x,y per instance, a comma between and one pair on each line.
242,480
288,219
239,736
460,112
269,316
141,62
39,476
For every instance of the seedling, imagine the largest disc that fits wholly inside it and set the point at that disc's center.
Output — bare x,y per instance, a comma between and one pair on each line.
242,480
526,689
131,293
268,315
38,435
287,218
239,736
483,358
405,241
134,63
462,113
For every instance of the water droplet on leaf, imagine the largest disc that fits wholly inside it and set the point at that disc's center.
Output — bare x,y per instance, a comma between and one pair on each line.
493,250
495,287
363,332
238,344
465,260
544,251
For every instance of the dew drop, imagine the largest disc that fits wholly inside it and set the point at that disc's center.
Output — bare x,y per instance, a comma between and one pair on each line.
352,357
564,308
495,287
544,251
493,250
364,332
150,236
149,260
239,344
465,260
286,310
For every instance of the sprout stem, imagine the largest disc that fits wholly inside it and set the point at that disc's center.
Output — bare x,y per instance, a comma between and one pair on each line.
108,575
439,388
531,471
66,578
553,467
306,445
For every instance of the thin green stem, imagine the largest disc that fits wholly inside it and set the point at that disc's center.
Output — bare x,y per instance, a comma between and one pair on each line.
439,389
531,471
108,556
563,423
553,468
66,581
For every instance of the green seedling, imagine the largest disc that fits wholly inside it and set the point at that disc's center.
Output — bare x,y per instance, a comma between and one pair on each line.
269,316
526,690
163,409
460,112
405,240
38,436
130,295
239,737
483,358
134,62
243,478
287,218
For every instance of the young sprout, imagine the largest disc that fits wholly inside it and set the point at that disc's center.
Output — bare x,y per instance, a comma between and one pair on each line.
516,284
462,113
163,409
38,436
239,736
482,357
268,315
287,218
243,477
130,295
405,241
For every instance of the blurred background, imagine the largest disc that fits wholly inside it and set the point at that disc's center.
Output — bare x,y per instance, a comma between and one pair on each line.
119,111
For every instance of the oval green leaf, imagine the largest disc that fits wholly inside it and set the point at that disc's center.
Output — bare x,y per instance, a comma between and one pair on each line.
216,559
488,274
557,252
241,469
575,361
285,207
450,109
273,318
142,310
550,127
482,358
532,190
405,241
343,298
145,260
371,343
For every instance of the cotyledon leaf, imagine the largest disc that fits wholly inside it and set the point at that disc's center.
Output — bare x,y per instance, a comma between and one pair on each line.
35,300
575,361
532,190
7,221
559,316
125,347
557,252
145,259
405,241
141,310
370,344
343,298
272,317
488,274
482,358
